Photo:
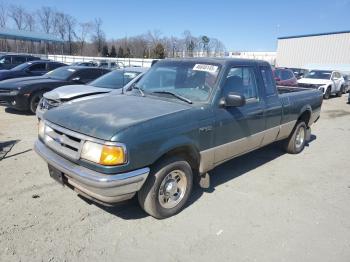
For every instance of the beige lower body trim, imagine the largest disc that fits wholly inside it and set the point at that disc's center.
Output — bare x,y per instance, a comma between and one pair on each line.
213,157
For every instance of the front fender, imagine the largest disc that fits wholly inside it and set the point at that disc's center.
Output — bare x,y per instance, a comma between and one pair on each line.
176,143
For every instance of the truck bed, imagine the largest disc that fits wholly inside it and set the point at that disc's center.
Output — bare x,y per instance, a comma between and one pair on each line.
290,89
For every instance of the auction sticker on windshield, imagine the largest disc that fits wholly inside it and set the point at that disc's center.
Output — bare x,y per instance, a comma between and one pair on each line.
205,68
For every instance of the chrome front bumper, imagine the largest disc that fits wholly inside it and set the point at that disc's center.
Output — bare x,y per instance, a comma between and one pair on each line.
96,186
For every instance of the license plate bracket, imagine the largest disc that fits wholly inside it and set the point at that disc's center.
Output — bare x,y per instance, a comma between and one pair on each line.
56,175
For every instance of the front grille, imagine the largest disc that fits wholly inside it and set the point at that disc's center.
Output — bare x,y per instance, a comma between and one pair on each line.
308,85
63,141
4,91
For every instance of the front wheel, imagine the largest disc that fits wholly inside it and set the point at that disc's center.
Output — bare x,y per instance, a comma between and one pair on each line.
340,92
327,95
295,143
34,102
167,188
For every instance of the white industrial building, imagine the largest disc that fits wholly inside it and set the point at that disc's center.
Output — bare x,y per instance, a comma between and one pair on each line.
322,51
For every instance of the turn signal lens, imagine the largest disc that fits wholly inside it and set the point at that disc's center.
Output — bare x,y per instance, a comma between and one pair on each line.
41,129
103,154
112,155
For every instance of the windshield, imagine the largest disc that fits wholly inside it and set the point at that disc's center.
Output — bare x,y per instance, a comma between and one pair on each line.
61,73
192,80
21,66
318,74
115,79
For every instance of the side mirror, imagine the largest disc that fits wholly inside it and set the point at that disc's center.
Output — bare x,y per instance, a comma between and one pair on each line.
277,79
233,99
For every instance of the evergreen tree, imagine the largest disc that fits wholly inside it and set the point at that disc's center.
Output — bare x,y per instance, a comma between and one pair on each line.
105,51
120,52
128,52
113,52
159,51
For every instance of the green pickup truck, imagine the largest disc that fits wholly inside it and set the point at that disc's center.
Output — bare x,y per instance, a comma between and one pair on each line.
180,120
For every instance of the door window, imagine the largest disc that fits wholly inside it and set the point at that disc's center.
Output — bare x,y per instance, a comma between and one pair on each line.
18,59
37,68
269,83
242,80
88,75
52,66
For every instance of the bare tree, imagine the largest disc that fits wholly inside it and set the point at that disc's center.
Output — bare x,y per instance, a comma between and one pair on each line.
99,36
29,21
84,31
18,15
70,24
3,14
46,16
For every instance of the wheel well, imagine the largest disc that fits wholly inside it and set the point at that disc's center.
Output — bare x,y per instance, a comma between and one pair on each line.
36,92
187,153
305,117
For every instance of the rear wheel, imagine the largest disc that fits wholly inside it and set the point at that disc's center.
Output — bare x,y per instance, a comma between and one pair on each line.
34,102
167,188
340,92
295,143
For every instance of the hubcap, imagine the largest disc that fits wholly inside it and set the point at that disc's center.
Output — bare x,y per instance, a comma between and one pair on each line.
172,189
299,140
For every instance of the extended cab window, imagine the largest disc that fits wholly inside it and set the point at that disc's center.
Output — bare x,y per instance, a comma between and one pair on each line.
269,83
242,80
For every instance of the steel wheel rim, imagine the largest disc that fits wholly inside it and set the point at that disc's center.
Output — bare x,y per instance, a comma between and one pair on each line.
300,137
172,189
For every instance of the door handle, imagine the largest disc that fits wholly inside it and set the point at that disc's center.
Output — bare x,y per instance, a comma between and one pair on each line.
206,128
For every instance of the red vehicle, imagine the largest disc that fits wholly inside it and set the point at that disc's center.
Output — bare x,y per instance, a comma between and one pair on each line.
285,77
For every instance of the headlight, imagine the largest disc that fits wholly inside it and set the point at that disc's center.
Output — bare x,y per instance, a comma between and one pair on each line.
103,154
14,92
41,129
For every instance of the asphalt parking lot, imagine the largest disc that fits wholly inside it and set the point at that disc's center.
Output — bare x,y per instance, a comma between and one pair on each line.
264,206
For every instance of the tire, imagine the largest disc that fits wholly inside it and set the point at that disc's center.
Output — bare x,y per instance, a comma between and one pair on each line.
344,90
171,179
34,101
327,95
340,92
295,143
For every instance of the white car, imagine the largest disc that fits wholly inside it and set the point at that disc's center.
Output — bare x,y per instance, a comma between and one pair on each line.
329,82
112,81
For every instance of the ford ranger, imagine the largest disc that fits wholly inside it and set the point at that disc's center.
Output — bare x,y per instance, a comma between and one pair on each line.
183,118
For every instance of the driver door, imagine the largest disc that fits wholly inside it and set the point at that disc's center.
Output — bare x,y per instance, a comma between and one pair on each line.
239,129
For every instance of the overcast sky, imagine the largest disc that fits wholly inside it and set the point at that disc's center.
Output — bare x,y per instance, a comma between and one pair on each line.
248,25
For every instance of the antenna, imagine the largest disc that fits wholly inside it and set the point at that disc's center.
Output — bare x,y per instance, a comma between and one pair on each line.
123,77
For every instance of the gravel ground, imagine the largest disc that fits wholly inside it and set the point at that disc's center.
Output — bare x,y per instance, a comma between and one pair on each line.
264,206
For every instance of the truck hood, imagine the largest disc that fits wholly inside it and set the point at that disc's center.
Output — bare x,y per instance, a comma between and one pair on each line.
24,81
70,92
314,81
104,117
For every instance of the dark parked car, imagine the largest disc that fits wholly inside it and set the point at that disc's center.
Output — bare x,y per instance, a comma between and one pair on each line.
299,72
90,63
33,68
25,93
10,61
183,118
285,77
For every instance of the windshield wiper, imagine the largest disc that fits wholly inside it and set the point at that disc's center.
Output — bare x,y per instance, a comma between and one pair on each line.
140,89
175,95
